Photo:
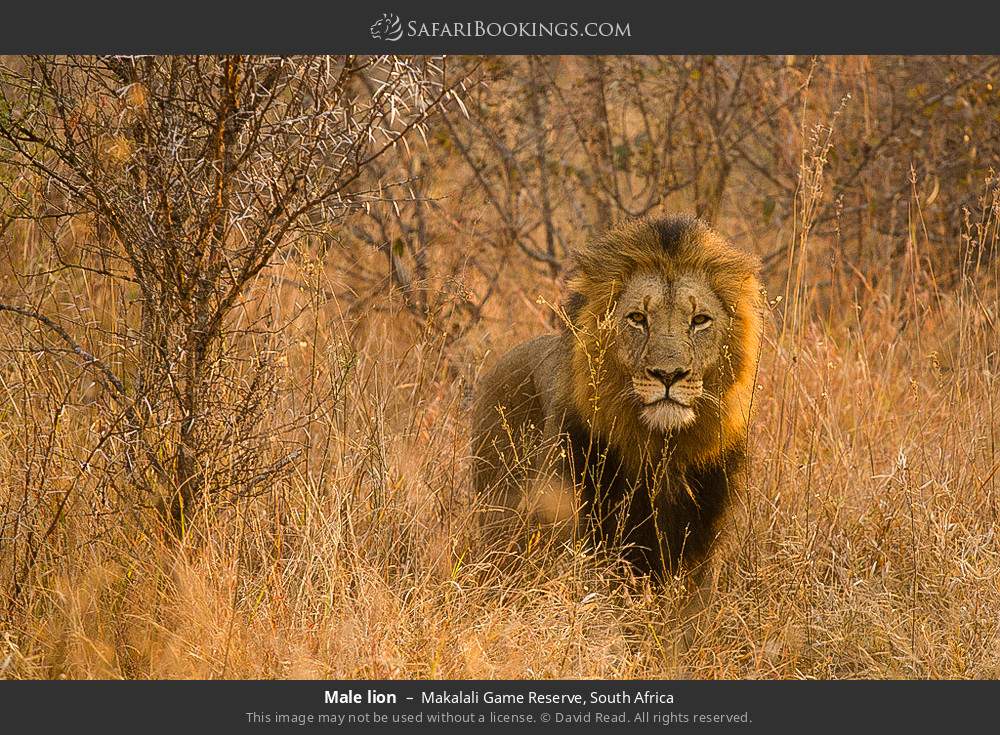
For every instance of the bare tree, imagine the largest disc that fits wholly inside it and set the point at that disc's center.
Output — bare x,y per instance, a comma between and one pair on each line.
194,174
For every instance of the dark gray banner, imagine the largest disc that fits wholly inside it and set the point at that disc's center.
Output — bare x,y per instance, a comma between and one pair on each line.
445,26
466,706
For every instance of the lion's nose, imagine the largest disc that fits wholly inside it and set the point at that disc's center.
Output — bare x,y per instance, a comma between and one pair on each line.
667,377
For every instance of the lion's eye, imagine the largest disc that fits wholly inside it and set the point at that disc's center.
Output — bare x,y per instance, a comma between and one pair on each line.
637,318
700,319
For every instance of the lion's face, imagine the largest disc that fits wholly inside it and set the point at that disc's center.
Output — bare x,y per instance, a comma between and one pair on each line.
669,335
665,320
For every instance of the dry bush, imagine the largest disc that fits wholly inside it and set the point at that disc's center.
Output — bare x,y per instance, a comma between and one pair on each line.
171,184
869,549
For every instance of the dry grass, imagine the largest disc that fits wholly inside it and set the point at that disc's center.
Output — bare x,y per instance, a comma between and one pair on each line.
871,551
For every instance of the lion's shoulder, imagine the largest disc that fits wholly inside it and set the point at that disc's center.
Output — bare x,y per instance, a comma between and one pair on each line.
537,360
525,377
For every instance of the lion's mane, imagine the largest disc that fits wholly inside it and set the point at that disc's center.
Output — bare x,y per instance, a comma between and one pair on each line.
667,246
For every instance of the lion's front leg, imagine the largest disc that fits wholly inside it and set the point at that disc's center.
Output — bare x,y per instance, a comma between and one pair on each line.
552,507
551,503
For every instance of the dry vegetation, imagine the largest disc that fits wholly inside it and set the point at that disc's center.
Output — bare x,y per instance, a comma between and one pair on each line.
295,501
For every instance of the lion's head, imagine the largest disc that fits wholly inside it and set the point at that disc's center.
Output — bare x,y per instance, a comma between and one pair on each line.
667,323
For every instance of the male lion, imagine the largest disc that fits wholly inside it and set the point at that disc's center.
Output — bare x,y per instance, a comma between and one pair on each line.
632,422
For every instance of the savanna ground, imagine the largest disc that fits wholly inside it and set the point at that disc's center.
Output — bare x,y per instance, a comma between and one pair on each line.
331,530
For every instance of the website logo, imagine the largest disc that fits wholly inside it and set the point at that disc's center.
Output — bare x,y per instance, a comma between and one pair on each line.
387,28
390,28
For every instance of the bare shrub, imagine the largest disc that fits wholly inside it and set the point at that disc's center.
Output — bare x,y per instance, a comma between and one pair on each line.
159,190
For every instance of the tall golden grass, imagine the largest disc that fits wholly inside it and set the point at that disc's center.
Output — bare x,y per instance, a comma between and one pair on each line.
872,552
871,549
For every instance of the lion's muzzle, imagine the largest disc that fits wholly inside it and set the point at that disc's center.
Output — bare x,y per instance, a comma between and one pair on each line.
668,396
